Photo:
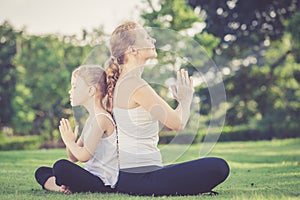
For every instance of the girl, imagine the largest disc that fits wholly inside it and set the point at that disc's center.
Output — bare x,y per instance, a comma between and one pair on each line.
137,108
96,147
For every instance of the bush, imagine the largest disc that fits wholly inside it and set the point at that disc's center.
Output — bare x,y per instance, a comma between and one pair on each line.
229,133
19,142
166,137
245,133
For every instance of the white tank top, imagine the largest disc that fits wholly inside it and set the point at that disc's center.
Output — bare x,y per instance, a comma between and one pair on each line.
104,162
137,137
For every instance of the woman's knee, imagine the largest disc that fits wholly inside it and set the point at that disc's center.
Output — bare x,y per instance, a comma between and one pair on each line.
214,166
222,168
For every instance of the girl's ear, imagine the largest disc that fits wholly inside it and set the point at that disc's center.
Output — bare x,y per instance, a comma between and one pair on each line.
92,91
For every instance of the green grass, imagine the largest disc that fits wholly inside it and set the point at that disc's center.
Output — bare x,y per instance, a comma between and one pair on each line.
259,170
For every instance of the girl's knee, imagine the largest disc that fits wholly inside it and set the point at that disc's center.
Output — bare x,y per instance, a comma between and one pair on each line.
39,172
42,174
60,166
61,171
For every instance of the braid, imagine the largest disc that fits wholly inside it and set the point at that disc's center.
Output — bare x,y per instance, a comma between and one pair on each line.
121,39
112,75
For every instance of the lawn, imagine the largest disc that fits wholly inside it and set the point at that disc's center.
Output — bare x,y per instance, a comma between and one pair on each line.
259,170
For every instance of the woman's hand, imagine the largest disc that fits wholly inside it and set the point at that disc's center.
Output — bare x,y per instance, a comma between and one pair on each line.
66,132
184,90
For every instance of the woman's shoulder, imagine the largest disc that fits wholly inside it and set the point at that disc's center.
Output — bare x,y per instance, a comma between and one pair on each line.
126,88
132,82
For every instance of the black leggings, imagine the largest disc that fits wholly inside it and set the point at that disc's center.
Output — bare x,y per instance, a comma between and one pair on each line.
71,175
189,178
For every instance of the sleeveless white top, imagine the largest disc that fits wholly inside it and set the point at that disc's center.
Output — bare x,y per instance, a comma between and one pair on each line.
137,137
104,162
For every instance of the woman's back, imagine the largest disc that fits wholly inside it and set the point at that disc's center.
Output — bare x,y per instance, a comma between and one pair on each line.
137,137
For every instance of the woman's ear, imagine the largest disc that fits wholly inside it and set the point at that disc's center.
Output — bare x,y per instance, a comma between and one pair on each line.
92,91
132,50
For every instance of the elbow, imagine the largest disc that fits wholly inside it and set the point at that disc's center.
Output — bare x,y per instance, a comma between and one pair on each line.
74,160
84,158
178,127
176,124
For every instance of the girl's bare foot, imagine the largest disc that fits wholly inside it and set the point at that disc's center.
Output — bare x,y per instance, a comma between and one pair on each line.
51,185
65,189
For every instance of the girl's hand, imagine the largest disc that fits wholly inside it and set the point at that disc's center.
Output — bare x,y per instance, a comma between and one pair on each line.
184,89
66,132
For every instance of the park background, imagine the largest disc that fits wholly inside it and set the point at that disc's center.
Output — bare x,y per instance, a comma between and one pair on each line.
256,46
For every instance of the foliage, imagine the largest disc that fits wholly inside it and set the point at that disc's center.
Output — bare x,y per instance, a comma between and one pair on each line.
259,45
19,142
8,49
255,45
170,14
294,29
242,25
38,78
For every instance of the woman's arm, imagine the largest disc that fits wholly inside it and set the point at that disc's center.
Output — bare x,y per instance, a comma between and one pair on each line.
152,102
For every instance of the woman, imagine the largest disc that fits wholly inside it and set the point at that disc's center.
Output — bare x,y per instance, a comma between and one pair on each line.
96,148
137,108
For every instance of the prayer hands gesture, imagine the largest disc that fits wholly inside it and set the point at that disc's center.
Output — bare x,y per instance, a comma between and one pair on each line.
66,132
184,90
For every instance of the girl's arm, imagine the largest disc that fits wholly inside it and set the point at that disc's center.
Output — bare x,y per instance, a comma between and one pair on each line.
152,102
78,151
69,153
79,142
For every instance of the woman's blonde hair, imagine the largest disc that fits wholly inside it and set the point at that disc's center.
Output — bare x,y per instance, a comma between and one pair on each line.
94,75
121,38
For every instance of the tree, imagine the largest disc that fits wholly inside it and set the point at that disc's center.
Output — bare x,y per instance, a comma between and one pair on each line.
294,29
242,25
257,41
44,66
8,49
256,46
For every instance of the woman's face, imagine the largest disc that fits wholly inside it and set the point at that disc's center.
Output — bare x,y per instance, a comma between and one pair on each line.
144,44
78,92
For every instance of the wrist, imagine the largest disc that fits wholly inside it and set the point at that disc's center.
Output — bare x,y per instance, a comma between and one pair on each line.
185,101
69,144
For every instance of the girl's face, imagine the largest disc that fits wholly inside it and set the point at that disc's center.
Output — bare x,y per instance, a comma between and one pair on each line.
145,44
79,93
